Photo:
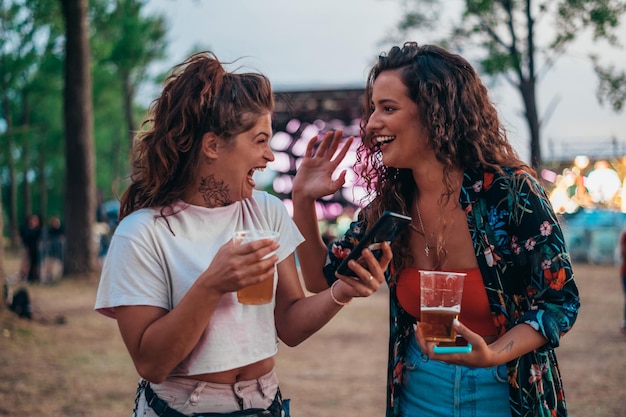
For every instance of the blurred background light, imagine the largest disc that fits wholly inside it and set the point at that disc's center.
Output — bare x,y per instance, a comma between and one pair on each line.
281,141
293,125
283,184
299,147
281,163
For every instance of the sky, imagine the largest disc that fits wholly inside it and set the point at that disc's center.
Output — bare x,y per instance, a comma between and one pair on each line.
327,43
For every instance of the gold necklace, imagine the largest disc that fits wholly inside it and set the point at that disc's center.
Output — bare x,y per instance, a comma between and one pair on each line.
423,231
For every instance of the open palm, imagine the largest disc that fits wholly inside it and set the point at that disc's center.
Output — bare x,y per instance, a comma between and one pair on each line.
315,174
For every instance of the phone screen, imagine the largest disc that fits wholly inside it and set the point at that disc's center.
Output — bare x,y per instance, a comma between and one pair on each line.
386,229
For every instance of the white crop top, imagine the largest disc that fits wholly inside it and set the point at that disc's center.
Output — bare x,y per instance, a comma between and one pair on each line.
149,264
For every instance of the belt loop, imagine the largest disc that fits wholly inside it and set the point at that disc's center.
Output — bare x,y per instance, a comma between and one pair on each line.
151,394
160,407
195,395
238,394
263,385
266,383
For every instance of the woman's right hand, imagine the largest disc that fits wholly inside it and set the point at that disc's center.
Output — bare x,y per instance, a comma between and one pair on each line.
370,273
313,179
239,265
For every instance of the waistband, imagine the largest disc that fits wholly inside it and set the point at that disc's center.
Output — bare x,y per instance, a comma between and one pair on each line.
162,409
263,382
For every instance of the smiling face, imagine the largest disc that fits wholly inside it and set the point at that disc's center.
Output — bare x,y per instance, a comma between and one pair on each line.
230,164
394,124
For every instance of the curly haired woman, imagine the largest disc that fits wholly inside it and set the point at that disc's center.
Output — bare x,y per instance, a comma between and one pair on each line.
172,271
433,148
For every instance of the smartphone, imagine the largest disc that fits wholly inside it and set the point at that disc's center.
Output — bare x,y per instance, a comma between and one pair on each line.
385,229
461,346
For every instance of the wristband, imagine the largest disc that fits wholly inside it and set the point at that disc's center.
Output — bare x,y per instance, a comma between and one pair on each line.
335,300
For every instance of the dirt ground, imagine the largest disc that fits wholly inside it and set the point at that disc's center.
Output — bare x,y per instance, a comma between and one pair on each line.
69,361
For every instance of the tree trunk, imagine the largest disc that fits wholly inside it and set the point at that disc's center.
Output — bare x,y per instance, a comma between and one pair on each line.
27,194
80,197
129,96
3,281
27,137
43,179
529,93
527,90
12,203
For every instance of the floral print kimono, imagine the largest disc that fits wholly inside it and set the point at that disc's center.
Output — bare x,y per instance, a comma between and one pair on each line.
527,273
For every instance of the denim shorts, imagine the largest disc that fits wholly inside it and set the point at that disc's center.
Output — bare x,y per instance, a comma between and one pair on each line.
190,396
434,388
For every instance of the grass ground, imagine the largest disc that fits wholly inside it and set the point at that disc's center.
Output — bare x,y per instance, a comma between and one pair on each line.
70,361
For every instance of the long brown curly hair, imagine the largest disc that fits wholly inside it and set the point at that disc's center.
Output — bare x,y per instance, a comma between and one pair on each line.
199,96
462,124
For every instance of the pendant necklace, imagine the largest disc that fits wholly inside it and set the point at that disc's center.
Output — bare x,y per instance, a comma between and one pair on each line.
423,231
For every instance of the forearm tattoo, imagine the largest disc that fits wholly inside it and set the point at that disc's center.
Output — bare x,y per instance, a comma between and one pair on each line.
214,193
506,348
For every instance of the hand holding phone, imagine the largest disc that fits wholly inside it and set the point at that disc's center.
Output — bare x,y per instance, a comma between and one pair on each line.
386,229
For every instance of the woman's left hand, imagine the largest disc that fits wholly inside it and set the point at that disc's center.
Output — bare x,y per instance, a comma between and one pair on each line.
481,355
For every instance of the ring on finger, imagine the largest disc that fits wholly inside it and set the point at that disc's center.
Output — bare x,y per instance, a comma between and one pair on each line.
371,278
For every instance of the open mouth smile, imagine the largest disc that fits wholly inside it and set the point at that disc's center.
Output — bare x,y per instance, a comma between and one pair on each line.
384,139
251,175
379,141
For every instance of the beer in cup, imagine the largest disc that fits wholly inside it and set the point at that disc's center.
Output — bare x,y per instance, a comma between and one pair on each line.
262,292
440,304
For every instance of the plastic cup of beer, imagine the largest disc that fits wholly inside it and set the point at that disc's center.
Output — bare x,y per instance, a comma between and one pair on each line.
262,292
440,304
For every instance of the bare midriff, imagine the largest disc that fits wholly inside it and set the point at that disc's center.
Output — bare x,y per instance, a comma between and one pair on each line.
245,373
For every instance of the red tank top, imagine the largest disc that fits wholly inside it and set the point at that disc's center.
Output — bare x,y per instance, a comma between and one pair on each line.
475,313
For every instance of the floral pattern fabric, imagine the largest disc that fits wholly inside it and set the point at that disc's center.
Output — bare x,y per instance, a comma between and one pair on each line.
528,276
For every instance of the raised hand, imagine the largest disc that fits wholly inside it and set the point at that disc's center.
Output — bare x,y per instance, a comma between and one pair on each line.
314,178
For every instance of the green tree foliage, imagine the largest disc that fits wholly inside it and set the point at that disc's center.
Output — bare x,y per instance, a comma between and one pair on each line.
138,42
521,39
32,138
612,88
23,59
135,42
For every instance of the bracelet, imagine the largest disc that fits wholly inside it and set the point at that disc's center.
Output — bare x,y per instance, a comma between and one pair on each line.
332,295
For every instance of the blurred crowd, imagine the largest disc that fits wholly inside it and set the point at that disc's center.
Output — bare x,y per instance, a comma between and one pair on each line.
43,249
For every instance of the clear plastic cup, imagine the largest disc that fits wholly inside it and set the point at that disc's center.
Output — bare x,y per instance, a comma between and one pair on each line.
262,292
440,304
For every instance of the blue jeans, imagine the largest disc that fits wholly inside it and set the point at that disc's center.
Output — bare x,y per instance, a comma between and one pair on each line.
433,388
